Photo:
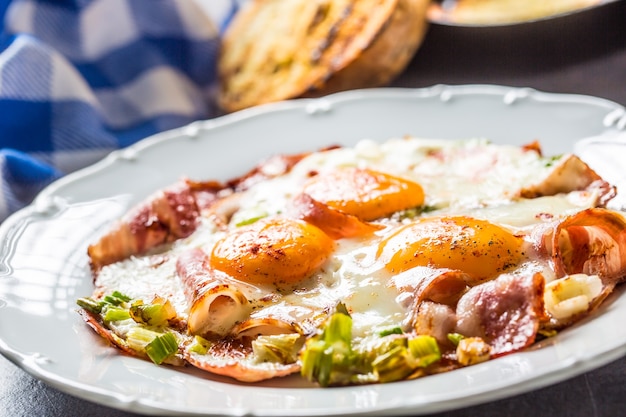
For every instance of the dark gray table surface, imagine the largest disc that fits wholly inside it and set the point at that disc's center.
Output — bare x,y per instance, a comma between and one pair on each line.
584,53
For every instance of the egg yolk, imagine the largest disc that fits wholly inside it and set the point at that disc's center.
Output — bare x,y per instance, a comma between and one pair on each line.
364,193
272,251
477,247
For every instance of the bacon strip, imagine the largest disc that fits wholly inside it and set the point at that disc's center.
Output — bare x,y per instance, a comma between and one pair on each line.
168,215
436,320
505,312
263,326
218,308
571,174
591,242
172,213
334,223
433,294
280,318
441,285
216,305
272,167
234,358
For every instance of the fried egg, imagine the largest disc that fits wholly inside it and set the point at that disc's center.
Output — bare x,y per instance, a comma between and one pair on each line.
435,219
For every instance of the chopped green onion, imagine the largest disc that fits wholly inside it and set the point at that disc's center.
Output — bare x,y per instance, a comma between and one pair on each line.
339,327
317,362
455,338
90,305
116,298
551,160
138,338
393,330
250,220
113,313
162,347
121,296
200,345
158,346
152,314
397,358
392,365
249,215
279,348
424,349
327,358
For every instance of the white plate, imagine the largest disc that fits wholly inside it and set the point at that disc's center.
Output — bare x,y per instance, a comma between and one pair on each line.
43,267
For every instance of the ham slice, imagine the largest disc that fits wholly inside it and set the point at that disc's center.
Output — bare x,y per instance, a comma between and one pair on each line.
505,312
216,305
172,213
591,242
235,358
334,223
168,215
571,174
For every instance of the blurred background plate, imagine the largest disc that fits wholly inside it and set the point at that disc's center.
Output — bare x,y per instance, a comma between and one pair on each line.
505,12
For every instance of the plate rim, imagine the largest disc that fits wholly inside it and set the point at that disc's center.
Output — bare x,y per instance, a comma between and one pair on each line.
616,116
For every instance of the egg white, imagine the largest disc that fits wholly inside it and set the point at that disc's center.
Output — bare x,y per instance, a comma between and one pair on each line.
470,177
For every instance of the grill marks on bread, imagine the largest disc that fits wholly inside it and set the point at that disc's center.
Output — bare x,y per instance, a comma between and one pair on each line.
281,49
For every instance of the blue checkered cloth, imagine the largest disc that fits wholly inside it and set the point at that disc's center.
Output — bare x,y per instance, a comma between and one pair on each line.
80,78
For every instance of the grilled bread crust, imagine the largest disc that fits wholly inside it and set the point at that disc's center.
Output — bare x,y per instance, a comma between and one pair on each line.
281,49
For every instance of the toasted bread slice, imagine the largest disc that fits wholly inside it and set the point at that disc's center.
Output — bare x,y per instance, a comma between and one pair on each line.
281,49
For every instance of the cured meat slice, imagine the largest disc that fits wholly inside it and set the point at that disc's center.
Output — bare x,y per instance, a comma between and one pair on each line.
235,358
168,215
570,174
591,242
334,223
505,312
215,304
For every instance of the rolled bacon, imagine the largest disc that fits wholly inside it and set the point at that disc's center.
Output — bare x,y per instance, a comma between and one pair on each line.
440,285
505,313
216,305
591,242
168,215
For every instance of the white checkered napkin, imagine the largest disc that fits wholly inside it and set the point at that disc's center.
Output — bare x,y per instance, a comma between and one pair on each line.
79,78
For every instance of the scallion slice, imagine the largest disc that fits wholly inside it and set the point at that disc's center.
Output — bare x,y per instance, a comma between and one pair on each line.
278,348
328,358
393,330
455,338
162,347
152,314
91,305
112,313
424,349
200,345
116,298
